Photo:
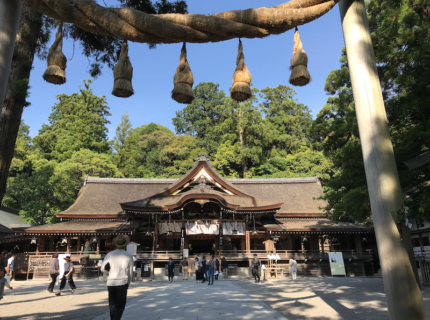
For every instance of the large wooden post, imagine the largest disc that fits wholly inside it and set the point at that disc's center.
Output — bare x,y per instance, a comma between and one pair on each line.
10,11
358,244
402,290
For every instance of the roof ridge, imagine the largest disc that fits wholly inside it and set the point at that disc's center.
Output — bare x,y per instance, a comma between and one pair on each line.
172,180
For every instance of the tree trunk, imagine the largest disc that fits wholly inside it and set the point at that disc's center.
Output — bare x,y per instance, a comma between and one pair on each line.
30,25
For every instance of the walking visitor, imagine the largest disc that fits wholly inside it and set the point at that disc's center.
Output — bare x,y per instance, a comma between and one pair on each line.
204,269
3,259
10,265
67,276
224,268
54,271
198,267
211,270
293,266
255,268
171,270
216,269
3,283
185,269
119,266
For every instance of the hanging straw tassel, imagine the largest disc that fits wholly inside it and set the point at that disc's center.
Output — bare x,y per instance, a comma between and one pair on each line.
241,79
123,73
183,80
55,73
299,63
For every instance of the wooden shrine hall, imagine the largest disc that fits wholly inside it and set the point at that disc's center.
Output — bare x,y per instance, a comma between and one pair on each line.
204,213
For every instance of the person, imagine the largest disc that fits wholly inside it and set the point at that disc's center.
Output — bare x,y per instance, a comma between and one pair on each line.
119,265
171,270
54,271
10,264
211,270
255,263
185,269
216,269
224,268
67,276
198,266
293,266
3,259
204,269
3,282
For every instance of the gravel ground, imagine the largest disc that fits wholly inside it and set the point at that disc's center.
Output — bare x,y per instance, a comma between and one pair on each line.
327,298
30,300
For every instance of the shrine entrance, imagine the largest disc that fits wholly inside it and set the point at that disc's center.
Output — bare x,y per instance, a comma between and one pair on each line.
203,244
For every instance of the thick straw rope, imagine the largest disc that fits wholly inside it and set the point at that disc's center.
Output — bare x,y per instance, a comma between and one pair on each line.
137,26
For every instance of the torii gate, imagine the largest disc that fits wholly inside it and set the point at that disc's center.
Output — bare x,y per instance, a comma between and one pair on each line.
402,289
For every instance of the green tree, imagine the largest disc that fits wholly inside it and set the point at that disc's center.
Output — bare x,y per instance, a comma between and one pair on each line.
288,122
23,147
201,118
122,132
77,121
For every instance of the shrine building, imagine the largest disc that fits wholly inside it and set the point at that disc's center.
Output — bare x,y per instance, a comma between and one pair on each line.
206,214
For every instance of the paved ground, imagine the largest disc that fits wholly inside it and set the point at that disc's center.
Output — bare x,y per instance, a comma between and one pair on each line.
29,300
306,298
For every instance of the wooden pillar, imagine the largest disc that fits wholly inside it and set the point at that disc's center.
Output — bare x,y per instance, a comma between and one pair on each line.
155,239
42,244
51,244
401,283
303,244
98,245
358,244
37,245
243,243
248,241
290,241
10,11
78,246
68,246
322,243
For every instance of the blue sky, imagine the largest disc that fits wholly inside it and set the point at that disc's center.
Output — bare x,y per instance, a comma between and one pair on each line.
268,60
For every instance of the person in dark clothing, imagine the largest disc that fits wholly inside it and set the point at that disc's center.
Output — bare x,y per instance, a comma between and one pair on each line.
67,276
171,269
3,259
203,270
255,268
216,269
224,268
54,271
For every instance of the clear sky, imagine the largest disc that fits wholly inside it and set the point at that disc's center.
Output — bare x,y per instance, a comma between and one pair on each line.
268,60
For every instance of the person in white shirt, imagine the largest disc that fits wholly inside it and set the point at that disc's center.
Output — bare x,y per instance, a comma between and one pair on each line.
293,266
10,264
119,265
67,276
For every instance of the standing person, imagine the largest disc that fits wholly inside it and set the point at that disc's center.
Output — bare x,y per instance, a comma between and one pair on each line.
3,282
224,268
203,269
3,259
67,276
255,268
10,265
216,269
211,269
185,269
54,271
119,264
293,266
198,267
171,270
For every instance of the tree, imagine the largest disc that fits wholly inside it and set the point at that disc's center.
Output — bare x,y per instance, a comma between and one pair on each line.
201,118
23,147
288,122
77,121
122,132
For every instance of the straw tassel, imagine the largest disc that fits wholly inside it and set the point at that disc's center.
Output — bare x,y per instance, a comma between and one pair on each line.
55,73
241,89
183,80
123,73
299,63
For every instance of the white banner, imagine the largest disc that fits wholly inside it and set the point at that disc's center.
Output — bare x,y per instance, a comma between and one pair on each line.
165,226
228,228
201,228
